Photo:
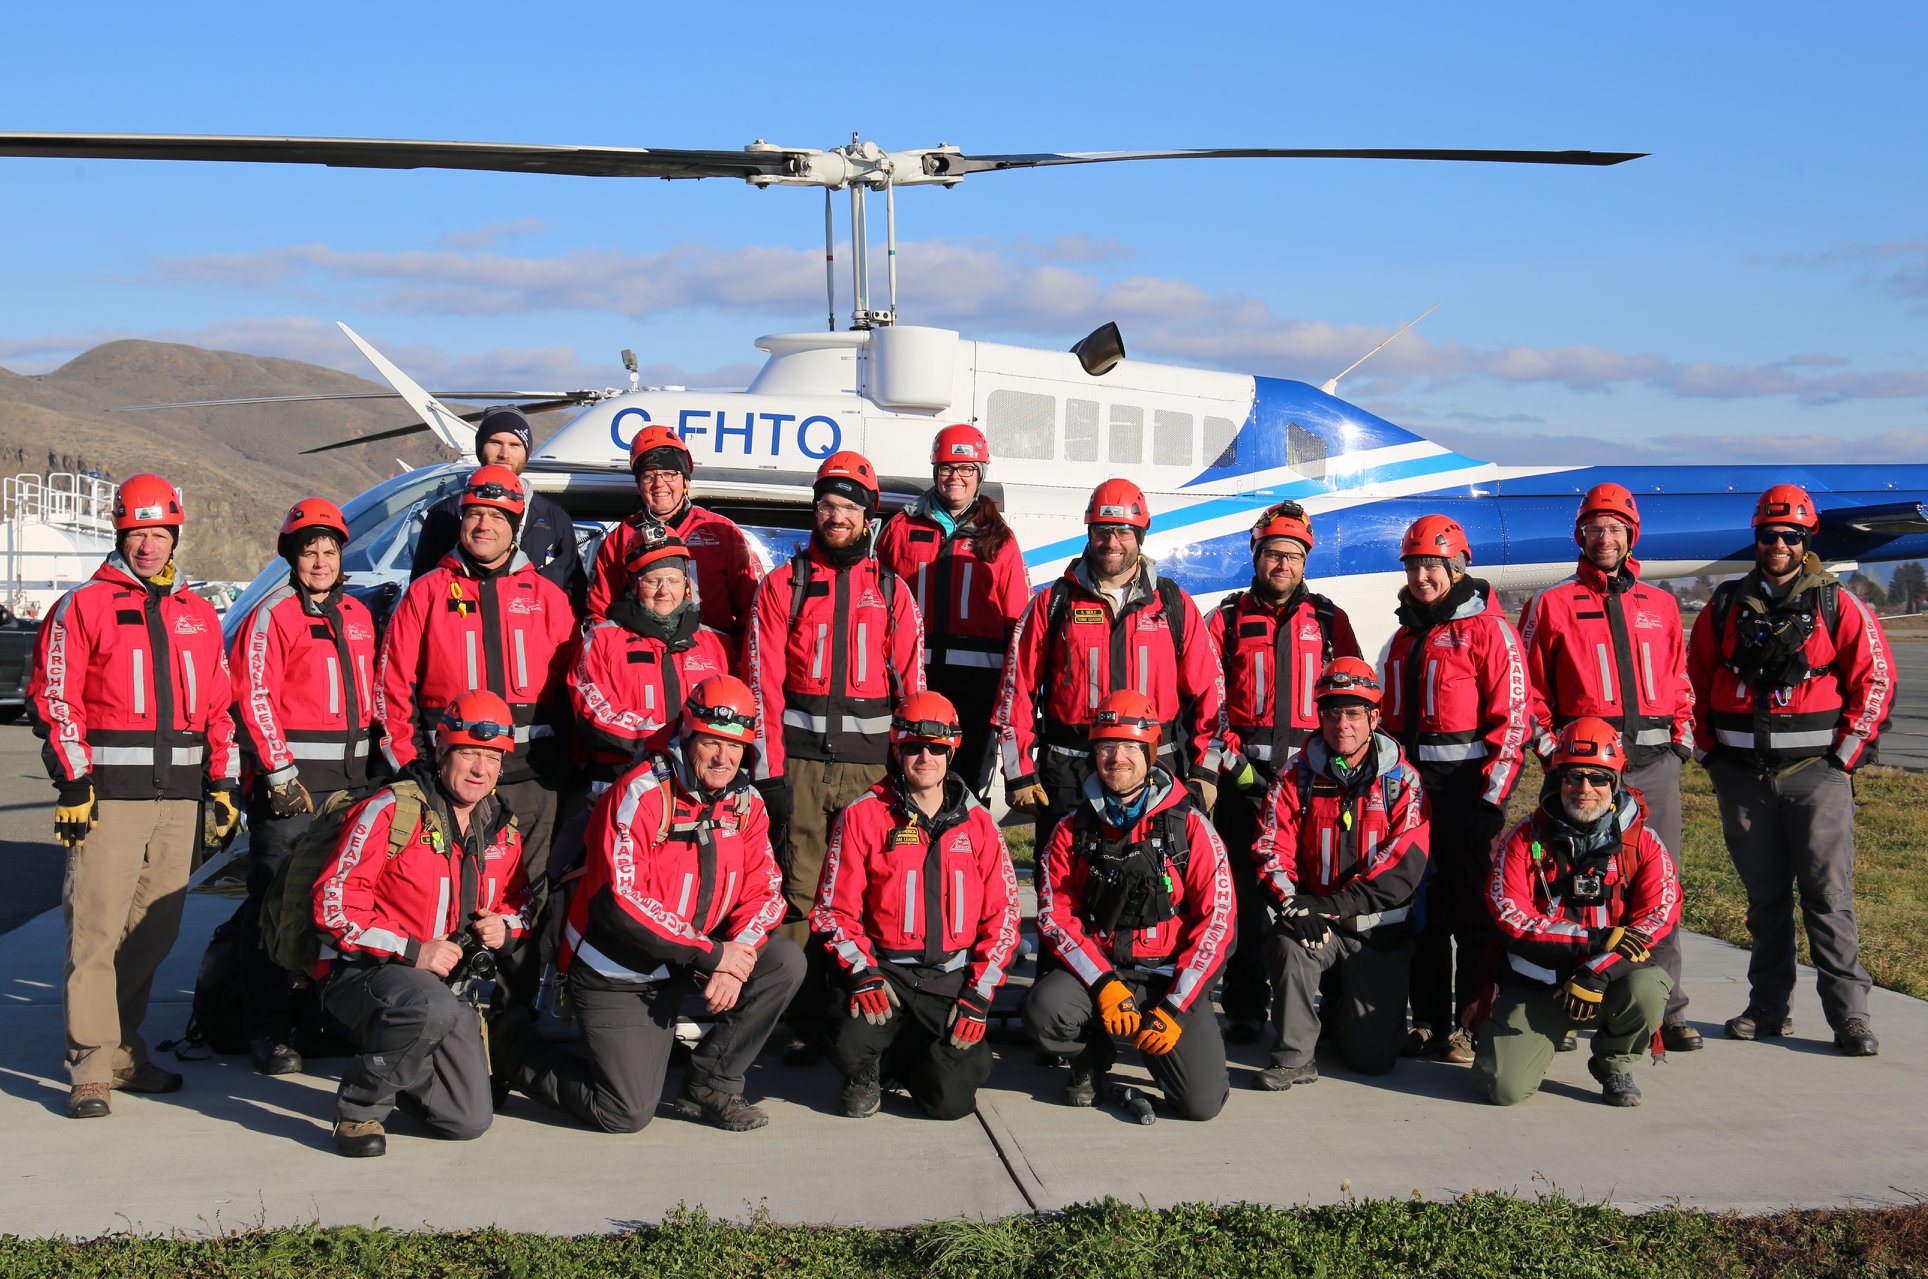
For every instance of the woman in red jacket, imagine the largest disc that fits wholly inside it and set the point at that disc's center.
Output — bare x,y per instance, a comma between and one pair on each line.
956,552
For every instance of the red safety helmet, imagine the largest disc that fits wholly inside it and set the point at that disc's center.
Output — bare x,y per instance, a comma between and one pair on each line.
1127,716
721,706
310,514
926,717
961,443
1285,519
147,501
495,486
653,437
1438,535
1592,743
851,466
1609,499
1786,504
476,718
1118,502
1349,677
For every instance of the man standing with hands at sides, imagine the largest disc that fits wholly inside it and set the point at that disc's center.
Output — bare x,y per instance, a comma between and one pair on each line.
919,908
963,563
726,569
834,643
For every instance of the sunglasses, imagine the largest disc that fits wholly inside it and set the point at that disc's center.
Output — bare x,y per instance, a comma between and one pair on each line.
1587,777
938,749
483,730
1774,537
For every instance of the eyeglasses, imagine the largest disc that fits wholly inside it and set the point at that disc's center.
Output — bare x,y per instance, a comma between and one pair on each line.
1779,537
938,749
1270,555
658,474
493,492
834,506
482,730
949,469
1602,530
723,717
1577,777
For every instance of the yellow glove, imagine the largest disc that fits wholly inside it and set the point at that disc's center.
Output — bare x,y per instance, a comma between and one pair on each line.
222,819
75,813
1160,1032
1032,797
1584,991
1116,1007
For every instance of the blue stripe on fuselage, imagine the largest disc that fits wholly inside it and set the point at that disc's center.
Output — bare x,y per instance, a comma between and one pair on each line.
1292,424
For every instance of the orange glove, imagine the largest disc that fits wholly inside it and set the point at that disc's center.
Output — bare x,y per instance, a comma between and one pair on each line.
1160,1032
1116,1007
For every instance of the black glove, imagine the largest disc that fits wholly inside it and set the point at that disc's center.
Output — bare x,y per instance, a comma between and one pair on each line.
776,801
1584,991
76,811
290,799
1306,925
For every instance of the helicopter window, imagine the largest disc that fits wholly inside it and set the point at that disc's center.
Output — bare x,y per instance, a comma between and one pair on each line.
1221,442
1304,452
1127,434
1171,438
1022,424
1081,430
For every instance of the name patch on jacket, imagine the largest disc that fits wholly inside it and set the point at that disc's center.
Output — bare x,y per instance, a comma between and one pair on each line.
1088,616
905,835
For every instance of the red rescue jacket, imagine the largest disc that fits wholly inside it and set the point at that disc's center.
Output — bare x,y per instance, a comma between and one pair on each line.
1456,696
726,567
830,661
375,907
1613,648
624,686
969,605
304,689
1059,673
130,687
1838,709
1362,850
1272,656
510,632
1192,945
1547,936
670,875
900,888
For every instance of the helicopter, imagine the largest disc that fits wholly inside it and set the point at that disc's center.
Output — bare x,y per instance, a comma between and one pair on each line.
1211,449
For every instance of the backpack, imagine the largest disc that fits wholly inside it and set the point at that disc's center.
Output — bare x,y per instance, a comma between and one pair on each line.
214,1019
1721,605
288,931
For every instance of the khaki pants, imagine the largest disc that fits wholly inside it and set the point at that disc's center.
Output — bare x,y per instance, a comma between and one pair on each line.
819,790
122,902
1519,1040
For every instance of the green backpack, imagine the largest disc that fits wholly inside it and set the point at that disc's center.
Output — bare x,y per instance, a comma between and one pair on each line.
288,930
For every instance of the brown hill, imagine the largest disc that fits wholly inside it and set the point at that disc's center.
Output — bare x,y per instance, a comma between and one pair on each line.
238,467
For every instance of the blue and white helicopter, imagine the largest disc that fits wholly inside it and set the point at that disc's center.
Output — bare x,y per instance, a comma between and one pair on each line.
1210,449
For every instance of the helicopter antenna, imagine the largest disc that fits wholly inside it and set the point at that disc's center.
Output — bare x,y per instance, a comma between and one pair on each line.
829,265
1331,385
890,239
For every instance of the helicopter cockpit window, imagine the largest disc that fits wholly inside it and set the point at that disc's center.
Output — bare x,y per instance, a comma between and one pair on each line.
1081,430
1221,442
1171,438
1127,434
1021,424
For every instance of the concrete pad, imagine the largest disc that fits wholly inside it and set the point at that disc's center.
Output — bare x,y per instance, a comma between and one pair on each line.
1747,1126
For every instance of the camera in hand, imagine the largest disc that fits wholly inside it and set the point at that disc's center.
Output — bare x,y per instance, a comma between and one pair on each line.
477,962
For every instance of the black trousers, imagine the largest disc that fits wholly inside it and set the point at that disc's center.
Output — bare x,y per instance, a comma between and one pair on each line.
973,691
914,1046
1365,999
519,964
1247,992
627,1035
265,985
1061,1016
1457,945
418,1046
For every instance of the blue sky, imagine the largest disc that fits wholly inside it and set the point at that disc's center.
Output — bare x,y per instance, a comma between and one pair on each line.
1760,282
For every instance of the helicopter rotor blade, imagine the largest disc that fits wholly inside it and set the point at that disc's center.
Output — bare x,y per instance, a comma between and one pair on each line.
939,163
544,401
414,428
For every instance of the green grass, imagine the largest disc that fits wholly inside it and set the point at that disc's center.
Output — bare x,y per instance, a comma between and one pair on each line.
1474,1235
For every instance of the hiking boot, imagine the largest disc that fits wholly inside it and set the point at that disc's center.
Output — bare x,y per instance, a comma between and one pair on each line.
1754,1024
147,1078
1419,1040
1458,1048
1569,1042
360,1138
87,1101
1086,1083
276,1057
1679,1037
861,1097
725,1110
1280,1078
1617,1088
1855,1039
